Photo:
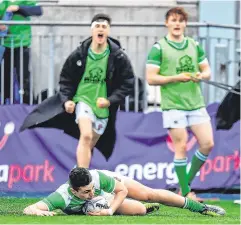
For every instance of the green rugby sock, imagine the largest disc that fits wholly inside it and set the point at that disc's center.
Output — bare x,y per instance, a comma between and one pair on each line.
197,161
193,206
181,171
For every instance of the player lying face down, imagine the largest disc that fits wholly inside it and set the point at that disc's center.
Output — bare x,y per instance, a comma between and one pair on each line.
85,184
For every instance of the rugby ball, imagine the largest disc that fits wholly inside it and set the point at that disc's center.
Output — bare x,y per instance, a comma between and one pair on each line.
95,205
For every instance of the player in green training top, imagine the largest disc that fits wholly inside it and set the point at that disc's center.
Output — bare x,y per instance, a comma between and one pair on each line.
94,81
85,184
172,62
102,87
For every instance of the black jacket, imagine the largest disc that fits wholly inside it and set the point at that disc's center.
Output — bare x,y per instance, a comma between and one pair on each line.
119,82
229,110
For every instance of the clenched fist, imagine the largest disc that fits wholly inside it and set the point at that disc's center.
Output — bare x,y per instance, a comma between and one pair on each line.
102,103
69,106
13,8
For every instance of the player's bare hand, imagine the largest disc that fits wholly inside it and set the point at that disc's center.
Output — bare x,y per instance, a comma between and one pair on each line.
3,27
69,106
183,77
197,77
13,8
103,212
32,210
102,103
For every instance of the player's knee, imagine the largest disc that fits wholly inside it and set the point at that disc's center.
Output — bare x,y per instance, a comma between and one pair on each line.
87,138
150,195
142,211
180,143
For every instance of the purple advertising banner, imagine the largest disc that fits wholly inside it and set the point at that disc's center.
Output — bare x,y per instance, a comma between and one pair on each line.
38,160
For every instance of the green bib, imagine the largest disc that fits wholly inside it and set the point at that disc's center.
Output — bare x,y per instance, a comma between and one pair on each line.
181,95
93,84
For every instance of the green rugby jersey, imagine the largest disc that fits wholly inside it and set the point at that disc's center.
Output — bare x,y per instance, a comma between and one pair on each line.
93,84
65,200
175,58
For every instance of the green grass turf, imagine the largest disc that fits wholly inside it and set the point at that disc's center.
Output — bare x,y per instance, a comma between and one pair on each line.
11,213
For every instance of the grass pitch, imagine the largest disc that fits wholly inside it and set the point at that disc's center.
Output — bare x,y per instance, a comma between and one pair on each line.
11,213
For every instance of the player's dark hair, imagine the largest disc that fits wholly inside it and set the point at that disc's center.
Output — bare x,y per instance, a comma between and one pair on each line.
79,177
179,11
101,16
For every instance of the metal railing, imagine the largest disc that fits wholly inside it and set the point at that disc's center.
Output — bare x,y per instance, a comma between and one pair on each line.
50,49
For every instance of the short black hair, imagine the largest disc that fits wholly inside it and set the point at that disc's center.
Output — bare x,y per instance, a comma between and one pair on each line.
79,177
101,16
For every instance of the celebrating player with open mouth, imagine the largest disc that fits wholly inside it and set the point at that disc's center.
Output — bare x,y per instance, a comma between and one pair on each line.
95,79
